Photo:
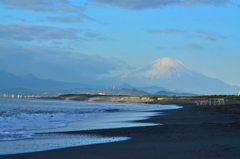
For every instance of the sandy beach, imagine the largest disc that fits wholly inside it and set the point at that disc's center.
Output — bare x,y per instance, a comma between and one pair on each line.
206,132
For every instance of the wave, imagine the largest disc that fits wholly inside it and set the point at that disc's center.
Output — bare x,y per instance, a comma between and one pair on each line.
21,118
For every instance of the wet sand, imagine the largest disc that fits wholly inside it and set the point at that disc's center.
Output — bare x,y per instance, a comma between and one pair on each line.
206,132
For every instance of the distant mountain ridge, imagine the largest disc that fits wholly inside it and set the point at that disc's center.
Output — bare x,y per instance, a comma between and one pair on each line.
165,74
9,81
174,93
171,74
31,85
112,91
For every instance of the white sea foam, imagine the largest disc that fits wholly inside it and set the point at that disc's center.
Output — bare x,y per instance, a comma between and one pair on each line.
17,126
27,121
18,116
34,125
43,142
21,118
15,135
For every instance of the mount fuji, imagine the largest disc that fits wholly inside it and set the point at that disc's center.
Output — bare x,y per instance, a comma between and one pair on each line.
162,68
174,75
165,74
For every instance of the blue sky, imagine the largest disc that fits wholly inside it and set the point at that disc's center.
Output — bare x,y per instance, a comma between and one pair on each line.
70,40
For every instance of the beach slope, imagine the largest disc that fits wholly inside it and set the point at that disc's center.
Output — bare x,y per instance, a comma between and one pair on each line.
190,132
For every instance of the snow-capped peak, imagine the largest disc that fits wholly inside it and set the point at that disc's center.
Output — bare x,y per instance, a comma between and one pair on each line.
166,62
162,68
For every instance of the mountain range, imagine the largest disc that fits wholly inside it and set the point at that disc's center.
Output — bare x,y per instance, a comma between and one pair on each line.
171,74
113,91
12,81
164,75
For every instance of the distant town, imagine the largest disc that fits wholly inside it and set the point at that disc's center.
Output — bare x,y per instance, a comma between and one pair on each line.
19,96
59,93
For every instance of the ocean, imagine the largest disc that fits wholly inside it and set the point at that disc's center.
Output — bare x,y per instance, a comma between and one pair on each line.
31,125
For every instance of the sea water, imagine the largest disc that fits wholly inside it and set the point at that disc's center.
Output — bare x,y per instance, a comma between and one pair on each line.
30,125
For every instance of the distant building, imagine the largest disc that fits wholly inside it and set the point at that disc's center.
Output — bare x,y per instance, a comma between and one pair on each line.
238,93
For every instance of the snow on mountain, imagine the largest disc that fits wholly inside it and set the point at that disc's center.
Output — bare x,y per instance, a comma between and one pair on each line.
162,68
173,75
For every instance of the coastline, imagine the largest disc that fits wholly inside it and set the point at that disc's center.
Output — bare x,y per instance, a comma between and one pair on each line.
190,132
213,100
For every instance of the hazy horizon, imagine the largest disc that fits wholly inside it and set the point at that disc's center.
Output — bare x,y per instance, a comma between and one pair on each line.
69,40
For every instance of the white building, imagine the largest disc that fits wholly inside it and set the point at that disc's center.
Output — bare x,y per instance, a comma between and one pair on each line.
238,93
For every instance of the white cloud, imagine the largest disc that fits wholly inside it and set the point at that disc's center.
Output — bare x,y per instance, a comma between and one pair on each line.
92,35
194,45
22,32
163,31
70,19
34,32
144,4
195,34
206,35
43,5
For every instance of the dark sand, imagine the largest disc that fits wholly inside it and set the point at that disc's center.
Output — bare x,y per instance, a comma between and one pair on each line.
190,133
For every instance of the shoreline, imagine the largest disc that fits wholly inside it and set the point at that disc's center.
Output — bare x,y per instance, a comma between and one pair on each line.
189,132
210,100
